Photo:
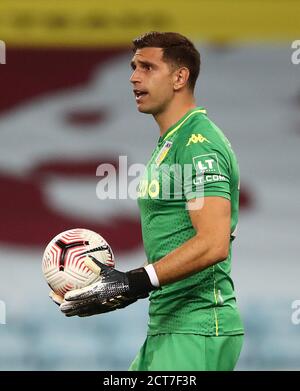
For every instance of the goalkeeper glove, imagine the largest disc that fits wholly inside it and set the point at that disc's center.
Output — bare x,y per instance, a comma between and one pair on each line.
57,299
115,290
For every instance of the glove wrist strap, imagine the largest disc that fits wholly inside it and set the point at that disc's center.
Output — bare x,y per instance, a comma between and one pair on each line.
139,282
152,275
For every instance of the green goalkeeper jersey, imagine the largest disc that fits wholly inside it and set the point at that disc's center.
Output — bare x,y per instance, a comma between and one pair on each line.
191,160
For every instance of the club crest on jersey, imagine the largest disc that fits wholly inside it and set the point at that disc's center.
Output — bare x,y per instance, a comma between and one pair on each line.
163,152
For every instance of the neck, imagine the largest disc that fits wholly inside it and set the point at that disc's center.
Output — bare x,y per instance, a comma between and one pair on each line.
173,113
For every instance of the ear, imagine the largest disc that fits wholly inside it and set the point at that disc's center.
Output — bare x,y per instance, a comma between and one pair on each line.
181,76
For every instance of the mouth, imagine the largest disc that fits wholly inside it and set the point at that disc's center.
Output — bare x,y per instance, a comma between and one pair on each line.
139,95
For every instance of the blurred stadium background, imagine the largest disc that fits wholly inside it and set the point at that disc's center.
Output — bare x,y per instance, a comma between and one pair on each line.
66,106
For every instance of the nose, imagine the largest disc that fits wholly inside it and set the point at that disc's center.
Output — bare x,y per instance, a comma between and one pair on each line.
134,78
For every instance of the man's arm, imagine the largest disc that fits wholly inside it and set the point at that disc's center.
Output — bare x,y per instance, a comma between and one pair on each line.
117,289
209,246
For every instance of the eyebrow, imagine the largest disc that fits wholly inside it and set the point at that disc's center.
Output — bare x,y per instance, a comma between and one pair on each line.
133,63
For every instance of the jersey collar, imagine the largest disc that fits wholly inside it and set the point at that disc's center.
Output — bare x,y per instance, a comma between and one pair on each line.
182,120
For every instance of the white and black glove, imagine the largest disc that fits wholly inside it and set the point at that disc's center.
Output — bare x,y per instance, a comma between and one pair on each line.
115,290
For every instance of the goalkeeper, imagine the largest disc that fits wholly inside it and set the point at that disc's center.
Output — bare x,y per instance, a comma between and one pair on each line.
188,226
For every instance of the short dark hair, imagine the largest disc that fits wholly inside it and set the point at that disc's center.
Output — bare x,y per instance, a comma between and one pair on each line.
177,49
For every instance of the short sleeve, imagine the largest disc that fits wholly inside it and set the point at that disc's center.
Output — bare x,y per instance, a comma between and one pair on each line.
205,168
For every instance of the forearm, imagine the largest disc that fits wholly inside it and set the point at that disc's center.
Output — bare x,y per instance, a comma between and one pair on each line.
191,257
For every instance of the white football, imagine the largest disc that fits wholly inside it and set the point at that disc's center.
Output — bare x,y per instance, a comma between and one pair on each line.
67,259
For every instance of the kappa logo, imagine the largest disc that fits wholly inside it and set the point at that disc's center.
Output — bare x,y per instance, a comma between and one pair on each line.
197,138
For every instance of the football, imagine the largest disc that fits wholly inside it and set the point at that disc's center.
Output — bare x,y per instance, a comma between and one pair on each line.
67,261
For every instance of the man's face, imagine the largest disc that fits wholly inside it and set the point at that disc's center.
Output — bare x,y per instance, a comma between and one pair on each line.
152,80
